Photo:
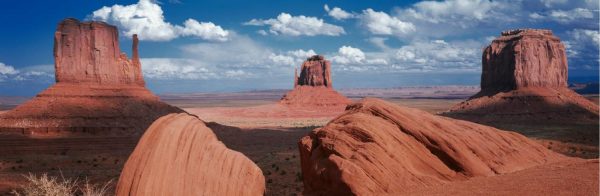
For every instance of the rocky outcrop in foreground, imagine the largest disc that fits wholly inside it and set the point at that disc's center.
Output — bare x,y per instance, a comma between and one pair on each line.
179,155
98,89
313,88
524,78
379,148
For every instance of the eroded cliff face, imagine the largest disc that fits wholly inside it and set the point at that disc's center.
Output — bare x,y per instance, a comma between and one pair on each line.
524,58
524,79
315,71
98,90
88,52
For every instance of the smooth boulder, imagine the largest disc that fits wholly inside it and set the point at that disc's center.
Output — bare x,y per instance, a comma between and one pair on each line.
179,155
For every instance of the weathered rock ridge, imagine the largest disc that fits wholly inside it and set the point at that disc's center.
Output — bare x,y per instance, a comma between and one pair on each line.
524,78
98,90
313,89
524,58
379,148
179,155
88,52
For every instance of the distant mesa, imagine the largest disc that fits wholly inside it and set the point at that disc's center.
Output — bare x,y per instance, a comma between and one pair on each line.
98,89
179,155
524,78
315,71
314,86
380,148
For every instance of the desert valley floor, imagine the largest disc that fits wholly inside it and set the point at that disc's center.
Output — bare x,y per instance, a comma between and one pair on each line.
272,142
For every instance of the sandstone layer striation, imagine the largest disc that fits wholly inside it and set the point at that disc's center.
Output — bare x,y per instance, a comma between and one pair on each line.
179,155
379,148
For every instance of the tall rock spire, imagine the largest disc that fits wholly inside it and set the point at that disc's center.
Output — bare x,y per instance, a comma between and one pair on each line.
295,77
135,59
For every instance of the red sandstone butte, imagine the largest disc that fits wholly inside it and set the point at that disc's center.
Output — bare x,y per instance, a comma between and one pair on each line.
98,89
380,148
524,77
313,88
524,58
179,155
315,71
89,53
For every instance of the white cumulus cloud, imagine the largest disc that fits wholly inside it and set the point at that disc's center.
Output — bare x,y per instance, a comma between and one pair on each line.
39,73
291,58
338,13
564,16
443,11
349,55
146,19
583,46
286,24
383,24
7,69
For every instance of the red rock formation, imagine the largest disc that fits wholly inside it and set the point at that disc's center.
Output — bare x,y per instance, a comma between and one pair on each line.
524,58
379,148
524,78
309,96
98,90
315,71
314,87
89,52
179,155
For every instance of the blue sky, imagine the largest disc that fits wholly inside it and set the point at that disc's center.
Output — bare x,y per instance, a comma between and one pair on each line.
208,46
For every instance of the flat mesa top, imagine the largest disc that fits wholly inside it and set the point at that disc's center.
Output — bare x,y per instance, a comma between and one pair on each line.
316,58
520,33
74,21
